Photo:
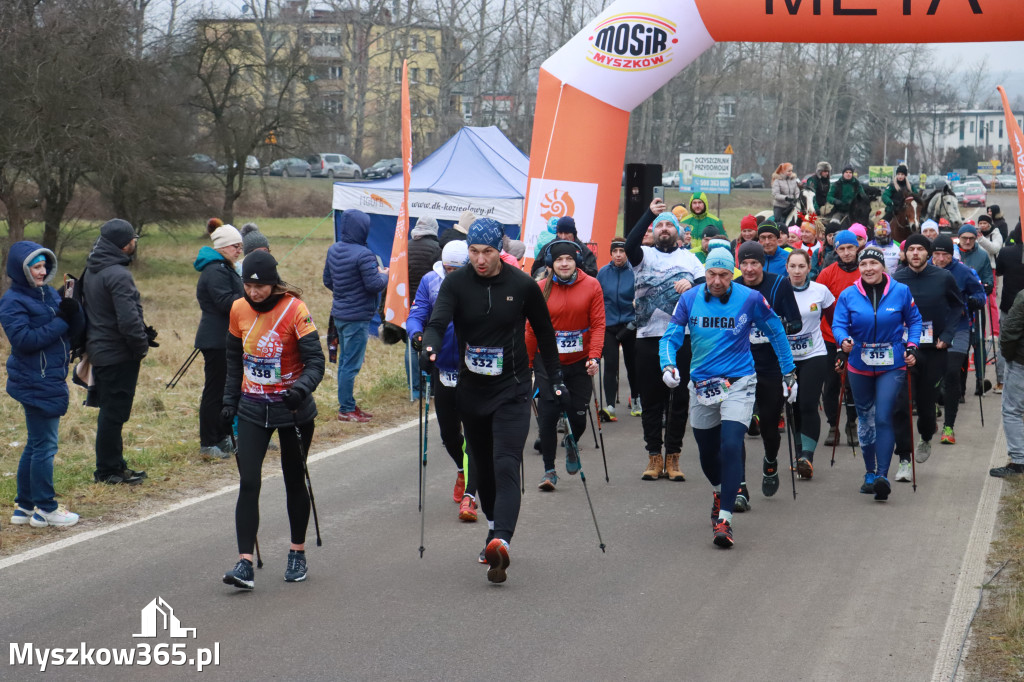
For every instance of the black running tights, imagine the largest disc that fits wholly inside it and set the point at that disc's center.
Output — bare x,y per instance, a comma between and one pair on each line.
451,428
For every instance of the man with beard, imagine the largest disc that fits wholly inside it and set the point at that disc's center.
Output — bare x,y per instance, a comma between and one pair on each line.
883,241
662,273
899,191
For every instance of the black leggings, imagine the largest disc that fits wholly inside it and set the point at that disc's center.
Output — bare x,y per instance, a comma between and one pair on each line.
215,368
495,441
252,448
768,396
580,385
810,376
956,364
658,401
451,428
830,395
611,361
926,376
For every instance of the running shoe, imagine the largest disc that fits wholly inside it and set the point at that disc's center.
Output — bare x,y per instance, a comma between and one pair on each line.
536,445
496,554
723,534
999,387
460,487
483,552
296,569
742,503
1011,470
948,437
548,481
769,477
868,486
21,516
782,424
804,468
363,413
467,510
755,426
58,517
882,488
607,414
634,407
572,456
241,576
352,416
923,451
830,439
903,472
716,507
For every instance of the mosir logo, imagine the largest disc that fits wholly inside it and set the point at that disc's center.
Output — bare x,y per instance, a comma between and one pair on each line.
556,204
632,42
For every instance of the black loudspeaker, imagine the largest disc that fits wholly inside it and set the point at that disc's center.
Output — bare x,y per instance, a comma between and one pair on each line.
641,179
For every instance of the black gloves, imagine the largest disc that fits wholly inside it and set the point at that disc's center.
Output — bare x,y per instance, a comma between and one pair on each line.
912,350
417,341
293,398
841,357
227,416
561,394
426,364
67,308
151,336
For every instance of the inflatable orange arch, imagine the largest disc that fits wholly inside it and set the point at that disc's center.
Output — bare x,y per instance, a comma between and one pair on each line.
587,89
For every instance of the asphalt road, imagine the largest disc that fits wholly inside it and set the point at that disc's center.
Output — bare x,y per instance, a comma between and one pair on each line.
832,585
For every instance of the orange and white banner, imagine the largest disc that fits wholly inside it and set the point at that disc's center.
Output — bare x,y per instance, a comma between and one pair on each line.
1016,146
586,90
396,303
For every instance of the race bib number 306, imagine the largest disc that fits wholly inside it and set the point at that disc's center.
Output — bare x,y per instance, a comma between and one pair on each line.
484,360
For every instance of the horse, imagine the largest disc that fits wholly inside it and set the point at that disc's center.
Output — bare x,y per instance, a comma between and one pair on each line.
942,203
906,220
803,205
863,209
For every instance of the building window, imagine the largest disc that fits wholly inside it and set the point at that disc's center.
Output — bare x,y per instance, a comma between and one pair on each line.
1000,133
942,127
414,74
335,72
428,109
972,127
415,42
961,130
398,76
430,80
430,42
333,107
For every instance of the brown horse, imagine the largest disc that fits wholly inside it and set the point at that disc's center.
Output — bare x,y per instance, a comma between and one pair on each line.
907,219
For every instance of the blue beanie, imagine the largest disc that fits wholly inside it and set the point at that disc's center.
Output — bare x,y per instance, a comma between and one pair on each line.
486,232
845,237
666,217
720,258
41,258
968,229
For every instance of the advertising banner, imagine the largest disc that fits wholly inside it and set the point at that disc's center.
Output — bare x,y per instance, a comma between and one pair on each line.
880,176
708,173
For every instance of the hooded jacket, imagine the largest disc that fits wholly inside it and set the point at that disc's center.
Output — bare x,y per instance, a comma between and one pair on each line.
37,368
937,297
698,221
424,251
350,271
545,237
219,286
977,260
617,285
857,318
999,222
449,357
116,331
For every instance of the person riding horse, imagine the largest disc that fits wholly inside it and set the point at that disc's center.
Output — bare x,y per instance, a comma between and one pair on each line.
899,191
820,183
844,194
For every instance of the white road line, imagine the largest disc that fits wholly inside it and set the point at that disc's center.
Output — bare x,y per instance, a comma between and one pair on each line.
973,570
92,534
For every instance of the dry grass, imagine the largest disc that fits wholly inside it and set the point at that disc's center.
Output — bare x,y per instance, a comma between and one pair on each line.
997,649
163,434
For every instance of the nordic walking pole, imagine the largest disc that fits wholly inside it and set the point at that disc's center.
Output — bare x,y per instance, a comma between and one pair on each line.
604,457
839,414
981,342
309,484
424,394
182,370
259,556
419,502
583,477
910,411
593,429
790,427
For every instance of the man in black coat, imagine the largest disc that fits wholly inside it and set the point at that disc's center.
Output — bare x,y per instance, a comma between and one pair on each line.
117,339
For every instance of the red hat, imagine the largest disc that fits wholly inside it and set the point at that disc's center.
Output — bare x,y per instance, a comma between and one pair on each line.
943,222
748,223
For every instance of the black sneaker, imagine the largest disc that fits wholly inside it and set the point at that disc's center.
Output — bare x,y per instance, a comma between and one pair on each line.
742,503
536,444
981,390
126,477
882,488
134,474
241,576
483,552
296,570
769,477
1011,470
755,426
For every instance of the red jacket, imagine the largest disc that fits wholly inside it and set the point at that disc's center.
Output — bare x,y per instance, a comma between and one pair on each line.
575,307
837,280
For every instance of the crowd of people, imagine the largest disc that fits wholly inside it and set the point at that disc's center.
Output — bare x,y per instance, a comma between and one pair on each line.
738,339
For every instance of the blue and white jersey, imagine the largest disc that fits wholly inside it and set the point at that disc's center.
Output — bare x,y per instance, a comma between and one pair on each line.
720,332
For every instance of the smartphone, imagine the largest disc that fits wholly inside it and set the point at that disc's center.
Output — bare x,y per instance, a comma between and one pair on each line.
69,286
659,192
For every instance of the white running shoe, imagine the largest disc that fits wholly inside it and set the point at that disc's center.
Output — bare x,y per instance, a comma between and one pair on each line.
923,451
58,517
903,472
21,516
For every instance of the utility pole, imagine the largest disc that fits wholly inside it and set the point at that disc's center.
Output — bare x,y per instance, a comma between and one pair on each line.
910,115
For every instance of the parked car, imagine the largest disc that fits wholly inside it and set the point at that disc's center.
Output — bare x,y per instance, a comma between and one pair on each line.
252,166
970,193
935,182
333,166
1007,181
293,167
670,179
384,168
749,180
201,163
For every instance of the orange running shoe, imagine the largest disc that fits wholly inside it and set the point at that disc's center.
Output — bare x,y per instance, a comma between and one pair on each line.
460,488
467,510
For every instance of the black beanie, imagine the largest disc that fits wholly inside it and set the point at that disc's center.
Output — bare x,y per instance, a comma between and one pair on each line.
710,232
943,244
259,267
833,227
566,224
748,250
768,226
618,243
562,247
902,169
871,253
920,240
848,167
986,217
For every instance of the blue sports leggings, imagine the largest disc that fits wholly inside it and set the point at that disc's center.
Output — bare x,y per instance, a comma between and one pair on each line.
721,458
875,398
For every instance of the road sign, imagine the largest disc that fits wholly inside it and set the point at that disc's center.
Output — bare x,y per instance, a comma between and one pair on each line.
953,177
709,173
728,150
879,176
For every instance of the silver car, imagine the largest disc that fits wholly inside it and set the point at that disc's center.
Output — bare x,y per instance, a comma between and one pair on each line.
333,166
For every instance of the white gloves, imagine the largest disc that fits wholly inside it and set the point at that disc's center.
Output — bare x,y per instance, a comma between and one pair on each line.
789,387
671,377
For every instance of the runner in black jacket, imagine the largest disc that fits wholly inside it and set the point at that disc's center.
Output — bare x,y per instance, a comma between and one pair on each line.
489,304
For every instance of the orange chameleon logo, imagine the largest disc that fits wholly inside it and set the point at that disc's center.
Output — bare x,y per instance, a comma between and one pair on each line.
378,198
557,204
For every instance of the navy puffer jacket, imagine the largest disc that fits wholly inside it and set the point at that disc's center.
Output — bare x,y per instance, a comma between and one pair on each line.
37,369
351,271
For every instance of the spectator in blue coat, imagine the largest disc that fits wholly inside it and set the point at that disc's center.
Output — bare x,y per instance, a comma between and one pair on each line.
616,280
38,323
352,274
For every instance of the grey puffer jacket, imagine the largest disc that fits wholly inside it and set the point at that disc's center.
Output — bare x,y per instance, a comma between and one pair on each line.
784,188
116,330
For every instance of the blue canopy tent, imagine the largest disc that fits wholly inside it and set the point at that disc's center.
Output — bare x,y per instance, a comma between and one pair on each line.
478,170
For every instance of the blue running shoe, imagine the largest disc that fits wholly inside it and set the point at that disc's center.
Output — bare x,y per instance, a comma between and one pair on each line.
241,576
882,488
296,570
869,483
572,456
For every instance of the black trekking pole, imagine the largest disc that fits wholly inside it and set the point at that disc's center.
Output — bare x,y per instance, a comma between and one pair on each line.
182,370
604,457
910,411
259,556
981,343
309,484
419,455
839,414
790,428
425,391
593,429
571,443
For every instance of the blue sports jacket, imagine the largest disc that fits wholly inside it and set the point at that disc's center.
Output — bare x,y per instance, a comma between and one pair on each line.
856,318
419,315
617,285
973,292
